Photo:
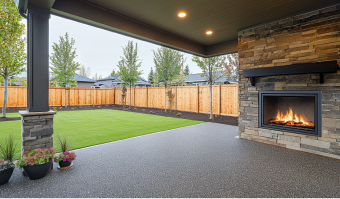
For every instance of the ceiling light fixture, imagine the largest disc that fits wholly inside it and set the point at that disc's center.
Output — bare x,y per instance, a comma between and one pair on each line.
182,14
209,32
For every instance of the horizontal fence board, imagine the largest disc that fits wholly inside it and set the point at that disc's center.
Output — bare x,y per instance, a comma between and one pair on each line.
188,98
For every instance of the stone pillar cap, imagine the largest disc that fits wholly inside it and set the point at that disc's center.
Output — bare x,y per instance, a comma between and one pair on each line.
26,113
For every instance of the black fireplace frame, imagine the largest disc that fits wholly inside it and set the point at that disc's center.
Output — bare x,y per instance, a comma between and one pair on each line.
317,115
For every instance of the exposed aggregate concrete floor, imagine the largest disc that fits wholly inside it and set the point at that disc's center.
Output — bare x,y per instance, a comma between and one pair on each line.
205,160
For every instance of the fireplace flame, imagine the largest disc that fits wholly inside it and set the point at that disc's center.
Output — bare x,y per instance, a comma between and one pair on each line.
292,119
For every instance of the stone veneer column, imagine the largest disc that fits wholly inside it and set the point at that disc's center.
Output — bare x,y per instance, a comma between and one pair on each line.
36,130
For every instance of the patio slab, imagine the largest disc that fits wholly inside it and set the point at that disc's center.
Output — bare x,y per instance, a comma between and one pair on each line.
204,160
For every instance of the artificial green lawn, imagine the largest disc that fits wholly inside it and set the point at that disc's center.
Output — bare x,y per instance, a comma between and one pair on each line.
92,127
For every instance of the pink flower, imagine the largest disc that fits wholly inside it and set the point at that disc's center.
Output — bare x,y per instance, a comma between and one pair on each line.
64,159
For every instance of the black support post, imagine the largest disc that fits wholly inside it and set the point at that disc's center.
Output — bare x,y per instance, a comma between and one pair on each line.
37,59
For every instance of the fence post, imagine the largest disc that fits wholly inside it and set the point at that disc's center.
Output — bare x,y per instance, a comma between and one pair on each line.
176,98
134,96
68,97
198,99
92,96
147,97
114,95
219,100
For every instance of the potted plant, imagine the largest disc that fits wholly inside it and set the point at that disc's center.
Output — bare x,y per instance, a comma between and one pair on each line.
8,150
66,157
6,171
36,163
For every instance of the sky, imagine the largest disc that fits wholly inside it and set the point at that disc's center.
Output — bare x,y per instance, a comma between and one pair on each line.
101,49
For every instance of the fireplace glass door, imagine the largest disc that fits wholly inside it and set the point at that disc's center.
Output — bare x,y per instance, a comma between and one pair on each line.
290,111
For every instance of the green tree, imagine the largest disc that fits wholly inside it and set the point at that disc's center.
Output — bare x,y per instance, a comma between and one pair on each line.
231,67
95,77
213,69
180,78
150,76
168,65
155,79
23,81
113,73
63,64
129,65
86,72
53,84
12,45
11,81
186,70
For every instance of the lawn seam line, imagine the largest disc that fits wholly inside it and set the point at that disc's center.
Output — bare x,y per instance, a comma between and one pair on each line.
138,136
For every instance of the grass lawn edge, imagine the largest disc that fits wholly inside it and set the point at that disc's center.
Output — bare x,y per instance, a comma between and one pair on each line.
137,136
96,127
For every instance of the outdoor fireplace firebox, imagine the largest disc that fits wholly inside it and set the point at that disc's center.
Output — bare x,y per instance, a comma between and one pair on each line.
291,111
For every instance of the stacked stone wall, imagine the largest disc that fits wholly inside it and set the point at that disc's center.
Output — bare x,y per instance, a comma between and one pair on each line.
306,38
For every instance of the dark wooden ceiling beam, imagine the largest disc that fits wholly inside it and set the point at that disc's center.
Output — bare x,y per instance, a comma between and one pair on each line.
222,48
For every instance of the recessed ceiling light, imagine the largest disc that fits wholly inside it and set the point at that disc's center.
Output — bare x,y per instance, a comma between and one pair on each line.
182,14
209,32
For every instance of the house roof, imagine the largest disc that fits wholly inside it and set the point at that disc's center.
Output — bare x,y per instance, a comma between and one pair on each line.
195,78
80,78
141,82
18,82
116,79
198,78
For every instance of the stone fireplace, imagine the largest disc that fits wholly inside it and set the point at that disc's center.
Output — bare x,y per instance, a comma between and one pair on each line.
291,111
299,111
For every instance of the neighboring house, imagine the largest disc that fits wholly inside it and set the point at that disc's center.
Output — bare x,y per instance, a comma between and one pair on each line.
18,81
115,82
82,82
197,79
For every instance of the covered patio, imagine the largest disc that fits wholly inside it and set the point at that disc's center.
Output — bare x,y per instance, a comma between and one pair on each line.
270,38
204,160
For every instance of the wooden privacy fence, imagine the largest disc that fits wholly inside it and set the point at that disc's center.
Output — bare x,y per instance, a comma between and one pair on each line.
188,98
17,96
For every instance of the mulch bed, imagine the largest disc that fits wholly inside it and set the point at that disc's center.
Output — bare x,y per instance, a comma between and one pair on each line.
186,115
4,119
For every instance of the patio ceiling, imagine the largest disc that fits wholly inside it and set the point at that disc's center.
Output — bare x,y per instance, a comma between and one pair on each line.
156,21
